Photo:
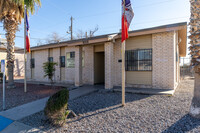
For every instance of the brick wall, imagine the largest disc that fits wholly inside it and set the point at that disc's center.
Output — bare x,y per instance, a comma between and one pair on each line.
40,58
164,58
56,59
18,64
164,63
28,69
117,66
88,69
109,59
87,72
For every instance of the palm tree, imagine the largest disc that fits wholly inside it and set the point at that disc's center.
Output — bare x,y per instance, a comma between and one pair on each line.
11,15
195,53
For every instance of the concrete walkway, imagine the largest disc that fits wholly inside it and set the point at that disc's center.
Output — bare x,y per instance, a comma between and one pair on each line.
22,111
25,110
147,91
17,127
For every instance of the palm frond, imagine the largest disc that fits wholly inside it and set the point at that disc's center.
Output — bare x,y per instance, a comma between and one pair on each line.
17,6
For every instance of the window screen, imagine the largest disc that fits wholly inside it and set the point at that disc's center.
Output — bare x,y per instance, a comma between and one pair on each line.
50,59
139,60
62,61
70,59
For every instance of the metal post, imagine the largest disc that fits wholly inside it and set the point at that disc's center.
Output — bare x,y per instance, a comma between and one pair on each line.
4,101
123,73
25,87
123,64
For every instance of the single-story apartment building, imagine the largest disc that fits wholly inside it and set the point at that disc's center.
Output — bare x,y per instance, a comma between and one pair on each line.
152,59
19,59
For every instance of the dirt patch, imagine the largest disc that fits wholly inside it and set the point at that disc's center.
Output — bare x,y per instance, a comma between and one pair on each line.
16,97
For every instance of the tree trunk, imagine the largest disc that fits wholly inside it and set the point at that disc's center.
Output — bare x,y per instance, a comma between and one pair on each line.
10,25
195,106
195,54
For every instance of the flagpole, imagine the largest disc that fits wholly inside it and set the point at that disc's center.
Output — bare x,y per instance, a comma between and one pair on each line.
123,63
25,86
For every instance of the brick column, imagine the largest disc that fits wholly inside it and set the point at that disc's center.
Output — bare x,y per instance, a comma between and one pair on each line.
56,59
88,69
78,66
28,66
164,60
109,60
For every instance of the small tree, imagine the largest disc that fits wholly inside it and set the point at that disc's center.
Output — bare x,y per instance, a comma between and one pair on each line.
54,38
49,70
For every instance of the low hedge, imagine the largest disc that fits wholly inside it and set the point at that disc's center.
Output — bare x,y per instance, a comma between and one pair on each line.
56,108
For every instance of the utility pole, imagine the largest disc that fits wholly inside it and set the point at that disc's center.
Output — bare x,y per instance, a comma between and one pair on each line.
71,28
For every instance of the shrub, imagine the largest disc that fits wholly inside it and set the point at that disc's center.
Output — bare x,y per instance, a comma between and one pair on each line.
49,70
56,108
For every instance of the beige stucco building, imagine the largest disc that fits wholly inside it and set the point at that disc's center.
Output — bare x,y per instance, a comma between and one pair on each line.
152,59
19,60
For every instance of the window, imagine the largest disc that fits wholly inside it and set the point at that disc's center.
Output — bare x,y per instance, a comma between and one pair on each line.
72,54
50,59
62,61
70,59
32,63
139,60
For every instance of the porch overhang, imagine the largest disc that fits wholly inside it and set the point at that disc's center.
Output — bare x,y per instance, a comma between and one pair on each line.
182,36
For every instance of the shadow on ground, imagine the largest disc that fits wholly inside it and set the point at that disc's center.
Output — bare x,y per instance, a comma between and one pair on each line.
95,103
185,124
102,102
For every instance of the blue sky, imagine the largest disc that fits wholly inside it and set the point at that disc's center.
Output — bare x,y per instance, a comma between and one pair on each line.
54,16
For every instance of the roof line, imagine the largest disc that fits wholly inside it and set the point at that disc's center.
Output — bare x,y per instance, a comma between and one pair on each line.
107,35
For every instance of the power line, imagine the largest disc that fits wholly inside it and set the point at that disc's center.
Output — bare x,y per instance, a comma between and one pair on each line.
52,4
147,22
112,26
23,37
155,3
139,23
114,11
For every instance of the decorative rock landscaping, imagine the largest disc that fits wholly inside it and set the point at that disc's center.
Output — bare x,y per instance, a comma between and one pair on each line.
101,112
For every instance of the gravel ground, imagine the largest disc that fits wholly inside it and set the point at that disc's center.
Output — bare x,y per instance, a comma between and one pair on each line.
101,112
16,97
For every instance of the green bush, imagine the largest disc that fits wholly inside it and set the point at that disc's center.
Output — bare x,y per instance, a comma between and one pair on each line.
56,108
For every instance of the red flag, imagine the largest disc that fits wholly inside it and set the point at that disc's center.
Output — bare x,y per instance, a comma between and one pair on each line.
124,29
127,16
